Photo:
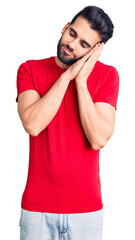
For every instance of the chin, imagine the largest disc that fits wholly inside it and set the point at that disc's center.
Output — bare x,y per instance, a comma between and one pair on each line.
68,62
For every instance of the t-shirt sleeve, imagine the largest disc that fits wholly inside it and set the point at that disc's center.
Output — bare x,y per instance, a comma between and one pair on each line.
24,79
109,90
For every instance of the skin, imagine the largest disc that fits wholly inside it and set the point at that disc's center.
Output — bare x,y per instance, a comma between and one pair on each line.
78,43
97,118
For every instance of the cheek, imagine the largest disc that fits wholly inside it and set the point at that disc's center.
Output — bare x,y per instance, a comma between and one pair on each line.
81,52
65,38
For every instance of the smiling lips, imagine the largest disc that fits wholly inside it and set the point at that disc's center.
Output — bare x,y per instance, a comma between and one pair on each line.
67,51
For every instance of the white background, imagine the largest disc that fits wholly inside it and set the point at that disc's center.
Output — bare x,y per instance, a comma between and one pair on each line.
30,30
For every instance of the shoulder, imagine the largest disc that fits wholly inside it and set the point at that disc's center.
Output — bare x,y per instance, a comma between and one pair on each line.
104,68
105,73
35,63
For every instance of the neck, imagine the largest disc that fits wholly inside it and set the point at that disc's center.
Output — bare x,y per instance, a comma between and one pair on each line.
61,64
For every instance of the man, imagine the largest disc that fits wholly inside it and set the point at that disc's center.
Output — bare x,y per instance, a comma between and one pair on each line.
67,106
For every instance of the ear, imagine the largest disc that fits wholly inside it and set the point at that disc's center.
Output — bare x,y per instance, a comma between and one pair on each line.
65,27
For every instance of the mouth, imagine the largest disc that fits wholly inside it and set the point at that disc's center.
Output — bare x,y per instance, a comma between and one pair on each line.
67,51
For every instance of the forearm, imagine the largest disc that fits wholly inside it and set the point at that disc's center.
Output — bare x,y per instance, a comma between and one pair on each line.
40,114
96,128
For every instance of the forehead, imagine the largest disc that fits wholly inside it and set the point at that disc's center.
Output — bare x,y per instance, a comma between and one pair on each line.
85,32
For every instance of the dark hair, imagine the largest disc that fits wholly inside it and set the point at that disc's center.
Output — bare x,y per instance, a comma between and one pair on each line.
99,21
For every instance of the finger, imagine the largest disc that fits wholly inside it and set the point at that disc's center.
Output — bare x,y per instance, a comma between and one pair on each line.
96,54
91,51
88,54
100,48
96,46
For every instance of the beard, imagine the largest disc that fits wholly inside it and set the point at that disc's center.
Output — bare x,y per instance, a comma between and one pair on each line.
63,57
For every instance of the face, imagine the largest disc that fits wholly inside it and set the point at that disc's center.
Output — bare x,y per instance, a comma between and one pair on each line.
77,39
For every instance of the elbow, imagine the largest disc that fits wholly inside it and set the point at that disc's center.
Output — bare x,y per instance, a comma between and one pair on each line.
33,132
101,141
32,125
31,129
97,145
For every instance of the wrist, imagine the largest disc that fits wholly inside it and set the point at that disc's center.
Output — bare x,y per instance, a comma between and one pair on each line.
81,83
65,77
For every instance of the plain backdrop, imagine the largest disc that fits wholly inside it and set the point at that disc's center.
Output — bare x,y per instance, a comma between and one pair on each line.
30,30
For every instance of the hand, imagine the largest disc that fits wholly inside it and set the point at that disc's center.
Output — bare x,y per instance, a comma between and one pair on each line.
88,65
74,69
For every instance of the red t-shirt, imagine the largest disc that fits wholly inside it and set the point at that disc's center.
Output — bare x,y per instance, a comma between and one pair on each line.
63,174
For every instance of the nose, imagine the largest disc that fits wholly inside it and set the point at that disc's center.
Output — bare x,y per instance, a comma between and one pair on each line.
72,44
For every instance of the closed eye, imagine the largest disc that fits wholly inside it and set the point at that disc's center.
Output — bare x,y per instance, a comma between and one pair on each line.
83,45
72,34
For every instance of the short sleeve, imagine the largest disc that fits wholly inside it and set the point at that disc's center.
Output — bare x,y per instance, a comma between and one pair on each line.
109,90
24,79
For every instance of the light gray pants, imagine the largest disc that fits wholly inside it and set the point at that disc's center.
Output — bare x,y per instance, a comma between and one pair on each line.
54,226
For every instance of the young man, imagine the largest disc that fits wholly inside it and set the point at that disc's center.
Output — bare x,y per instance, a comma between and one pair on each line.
67,106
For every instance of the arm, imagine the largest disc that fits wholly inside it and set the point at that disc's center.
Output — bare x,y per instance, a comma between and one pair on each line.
97,119
36,112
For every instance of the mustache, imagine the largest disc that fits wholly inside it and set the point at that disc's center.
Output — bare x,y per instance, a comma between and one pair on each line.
67,46
70,49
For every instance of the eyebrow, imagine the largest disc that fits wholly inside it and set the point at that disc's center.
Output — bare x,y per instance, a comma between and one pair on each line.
77,35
